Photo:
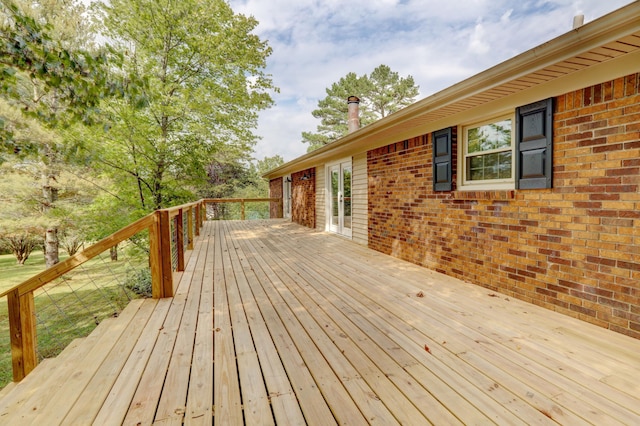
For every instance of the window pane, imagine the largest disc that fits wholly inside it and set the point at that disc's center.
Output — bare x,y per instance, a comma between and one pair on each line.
489,137
475,167
346,184
334,197
489,166
505,165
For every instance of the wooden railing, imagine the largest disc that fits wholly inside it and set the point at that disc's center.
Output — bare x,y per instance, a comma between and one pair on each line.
242,202
171,236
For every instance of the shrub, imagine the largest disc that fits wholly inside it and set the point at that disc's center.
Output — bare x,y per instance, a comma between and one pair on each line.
139,282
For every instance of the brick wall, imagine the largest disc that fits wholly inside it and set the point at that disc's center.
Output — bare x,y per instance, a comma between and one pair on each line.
574,248
275,191
303,197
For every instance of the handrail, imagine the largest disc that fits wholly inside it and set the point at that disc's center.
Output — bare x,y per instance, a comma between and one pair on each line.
237,200
242,202
173,211
20,298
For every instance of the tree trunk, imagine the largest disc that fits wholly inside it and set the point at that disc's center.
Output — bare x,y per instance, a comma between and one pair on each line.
51,246
50,196
113,252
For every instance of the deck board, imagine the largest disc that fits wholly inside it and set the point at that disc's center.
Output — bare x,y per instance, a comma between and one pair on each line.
273,323
253,390
226,392
286,409
104,378
115,407
199,403
172,404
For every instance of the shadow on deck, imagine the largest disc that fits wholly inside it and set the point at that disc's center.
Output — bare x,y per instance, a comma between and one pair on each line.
273,323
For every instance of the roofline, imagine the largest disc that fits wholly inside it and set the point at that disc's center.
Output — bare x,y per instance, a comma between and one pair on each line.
605,29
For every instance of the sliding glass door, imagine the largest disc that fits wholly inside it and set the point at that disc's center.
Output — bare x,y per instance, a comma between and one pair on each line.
340,177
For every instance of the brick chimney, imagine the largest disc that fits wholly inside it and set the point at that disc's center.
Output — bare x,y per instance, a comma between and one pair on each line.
353,121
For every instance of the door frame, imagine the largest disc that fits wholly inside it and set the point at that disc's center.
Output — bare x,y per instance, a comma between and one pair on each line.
286,196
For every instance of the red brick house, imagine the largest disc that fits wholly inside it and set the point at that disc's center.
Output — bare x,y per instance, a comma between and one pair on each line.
524,179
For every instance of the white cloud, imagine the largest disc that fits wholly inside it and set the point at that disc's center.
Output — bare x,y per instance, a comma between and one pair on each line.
477,44
438,42
504,19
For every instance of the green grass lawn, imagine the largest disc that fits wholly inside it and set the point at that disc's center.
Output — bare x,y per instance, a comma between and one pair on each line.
12,274
86,296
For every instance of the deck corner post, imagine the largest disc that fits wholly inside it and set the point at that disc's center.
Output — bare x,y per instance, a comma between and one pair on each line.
242,209
22,327
160,256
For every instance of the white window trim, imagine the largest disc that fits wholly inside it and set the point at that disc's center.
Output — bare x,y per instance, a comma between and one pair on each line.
494,184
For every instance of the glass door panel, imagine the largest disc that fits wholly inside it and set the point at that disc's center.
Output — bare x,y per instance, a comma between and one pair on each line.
340,177
334,224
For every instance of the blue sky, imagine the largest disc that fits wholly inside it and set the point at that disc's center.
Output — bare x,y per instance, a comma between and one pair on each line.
438,42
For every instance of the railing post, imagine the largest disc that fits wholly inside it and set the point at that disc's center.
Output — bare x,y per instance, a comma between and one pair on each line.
190,232
242,209
201,211
160,256
180,239
22,327
155,258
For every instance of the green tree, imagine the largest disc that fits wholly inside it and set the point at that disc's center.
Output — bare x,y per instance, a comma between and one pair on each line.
21,225
258,186
389,92
48,75
232,178
267,164
27,215
204,83
332,111
381,93
42,77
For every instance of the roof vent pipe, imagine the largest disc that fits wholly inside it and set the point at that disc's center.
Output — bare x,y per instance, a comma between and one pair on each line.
578,21
353,121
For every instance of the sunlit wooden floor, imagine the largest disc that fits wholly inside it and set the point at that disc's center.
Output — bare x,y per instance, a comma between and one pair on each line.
274,323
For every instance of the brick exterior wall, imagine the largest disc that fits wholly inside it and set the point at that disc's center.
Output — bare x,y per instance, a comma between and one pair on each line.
574,248
303,197
275,191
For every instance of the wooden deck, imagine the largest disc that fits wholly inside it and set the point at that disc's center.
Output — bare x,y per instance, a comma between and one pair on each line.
273,323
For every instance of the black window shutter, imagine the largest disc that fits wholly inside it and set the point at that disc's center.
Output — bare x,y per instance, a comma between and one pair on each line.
534,145
442,160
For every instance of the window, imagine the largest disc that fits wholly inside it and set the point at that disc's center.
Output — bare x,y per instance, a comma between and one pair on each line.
487,155
500,154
